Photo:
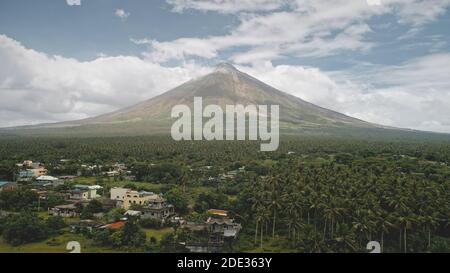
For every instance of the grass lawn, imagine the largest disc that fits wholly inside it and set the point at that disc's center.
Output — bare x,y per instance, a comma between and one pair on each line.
54,245
157,233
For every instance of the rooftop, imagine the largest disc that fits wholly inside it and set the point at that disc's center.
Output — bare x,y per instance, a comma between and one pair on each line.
116,225
89,187
218,212
3,183
47,178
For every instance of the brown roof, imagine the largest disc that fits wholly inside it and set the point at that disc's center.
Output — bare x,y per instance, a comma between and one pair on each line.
115,226
218,212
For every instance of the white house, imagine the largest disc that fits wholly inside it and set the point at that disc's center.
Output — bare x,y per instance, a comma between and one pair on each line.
46,179
85,192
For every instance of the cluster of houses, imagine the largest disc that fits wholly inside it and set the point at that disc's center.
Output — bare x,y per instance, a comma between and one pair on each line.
138,204
116,170
37,173
30,170
79,195
219,226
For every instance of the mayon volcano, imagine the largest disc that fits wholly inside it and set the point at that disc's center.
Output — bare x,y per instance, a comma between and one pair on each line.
224,86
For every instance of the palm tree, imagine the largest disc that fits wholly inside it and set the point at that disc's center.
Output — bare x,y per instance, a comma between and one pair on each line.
405,223
384,225
275,204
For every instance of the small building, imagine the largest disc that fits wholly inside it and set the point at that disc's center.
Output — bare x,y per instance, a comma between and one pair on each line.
49,180
135,197
85,192
6,185
80,195
157,207
225,227
69,210
159,213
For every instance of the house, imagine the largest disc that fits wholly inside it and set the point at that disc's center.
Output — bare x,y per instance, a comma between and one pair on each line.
157,212
153,205
118,193
225,227
85,192
6,185
49,180
64,211
80,195
33,170
135,197
157,207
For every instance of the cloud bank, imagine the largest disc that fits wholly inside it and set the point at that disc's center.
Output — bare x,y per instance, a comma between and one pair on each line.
36,87
39,88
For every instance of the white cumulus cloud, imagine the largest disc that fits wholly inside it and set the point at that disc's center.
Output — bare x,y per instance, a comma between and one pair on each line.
73,2
37,88
303,28
122,14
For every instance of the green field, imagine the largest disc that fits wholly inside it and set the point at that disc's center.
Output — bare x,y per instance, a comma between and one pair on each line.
157,233
54,245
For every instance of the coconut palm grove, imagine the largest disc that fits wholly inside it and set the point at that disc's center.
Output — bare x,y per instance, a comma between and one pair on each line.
314,194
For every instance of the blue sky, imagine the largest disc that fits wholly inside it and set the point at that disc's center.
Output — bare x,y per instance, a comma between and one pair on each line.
385,61
84,31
